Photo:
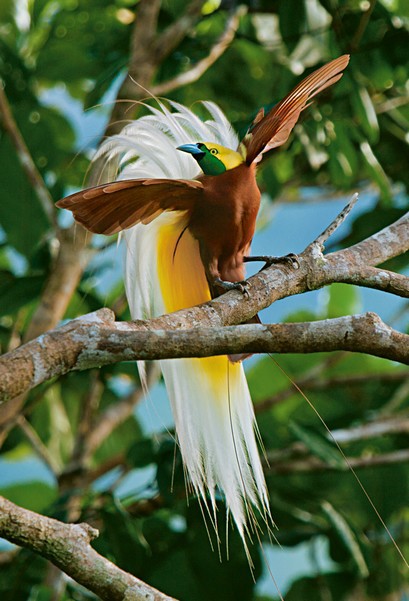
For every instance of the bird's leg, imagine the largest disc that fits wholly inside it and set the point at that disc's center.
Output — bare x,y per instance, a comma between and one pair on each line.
291,260
241,286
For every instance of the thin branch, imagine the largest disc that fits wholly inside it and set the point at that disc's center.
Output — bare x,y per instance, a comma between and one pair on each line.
148,50
334,225
89,408
97,339
395,425
171,37
203,65
315,382
25,158
391,104
37,444
363,24
68,547
115,415
314,464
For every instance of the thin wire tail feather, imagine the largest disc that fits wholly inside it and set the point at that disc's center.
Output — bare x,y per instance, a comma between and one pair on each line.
272,130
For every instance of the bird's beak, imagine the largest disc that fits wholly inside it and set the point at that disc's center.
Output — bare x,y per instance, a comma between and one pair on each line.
192,149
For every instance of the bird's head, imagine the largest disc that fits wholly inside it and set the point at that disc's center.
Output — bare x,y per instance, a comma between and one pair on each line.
213,159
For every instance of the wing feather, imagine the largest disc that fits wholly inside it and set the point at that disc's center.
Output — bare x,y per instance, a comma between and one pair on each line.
273,130
113,207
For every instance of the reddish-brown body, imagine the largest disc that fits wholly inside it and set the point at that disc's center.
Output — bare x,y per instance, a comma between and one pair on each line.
224,221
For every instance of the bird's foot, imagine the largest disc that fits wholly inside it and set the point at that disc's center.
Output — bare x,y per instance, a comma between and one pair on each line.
291,260
241,286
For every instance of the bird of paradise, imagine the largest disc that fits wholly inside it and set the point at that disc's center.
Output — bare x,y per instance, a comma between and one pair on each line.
188,236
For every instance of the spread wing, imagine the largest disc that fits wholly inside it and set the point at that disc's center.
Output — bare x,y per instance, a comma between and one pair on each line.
272,130
111,208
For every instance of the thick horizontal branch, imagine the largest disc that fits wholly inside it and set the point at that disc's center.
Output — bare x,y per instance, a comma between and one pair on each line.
97,340
68,547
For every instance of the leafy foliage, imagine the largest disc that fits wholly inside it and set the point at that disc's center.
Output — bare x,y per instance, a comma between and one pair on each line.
355,137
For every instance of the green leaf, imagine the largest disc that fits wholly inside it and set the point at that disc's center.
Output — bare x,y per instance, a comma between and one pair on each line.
35,495
19,577
318,445
124,536
365,112
141,453
7,10
343,300
292,21
41,592
170,474
21,214
337,586
376,171
15,293
343,156
52,424
347,536
119,440
232,579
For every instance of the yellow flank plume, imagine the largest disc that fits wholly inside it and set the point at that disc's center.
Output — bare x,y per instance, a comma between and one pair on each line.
182,278
183,284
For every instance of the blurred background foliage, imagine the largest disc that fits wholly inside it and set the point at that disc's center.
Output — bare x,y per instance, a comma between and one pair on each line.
83,448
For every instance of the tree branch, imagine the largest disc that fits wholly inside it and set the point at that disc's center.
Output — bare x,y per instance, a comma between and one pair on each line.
68,547
395,425
26,160
314,464
115,415
203,65
314,381
171,37
97,339
148,50
61,285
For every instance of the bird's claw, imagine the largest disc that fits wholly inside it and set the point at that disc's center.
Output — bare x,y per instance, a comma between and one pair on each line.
241,286
291,260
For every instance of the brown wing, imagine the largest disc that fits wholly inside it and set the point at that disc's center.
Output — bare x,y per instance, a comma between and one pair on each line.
111,208
272,130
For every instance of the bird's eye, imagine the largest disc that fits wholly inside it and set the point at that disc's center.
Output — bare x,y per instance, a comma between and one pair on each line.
214,151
